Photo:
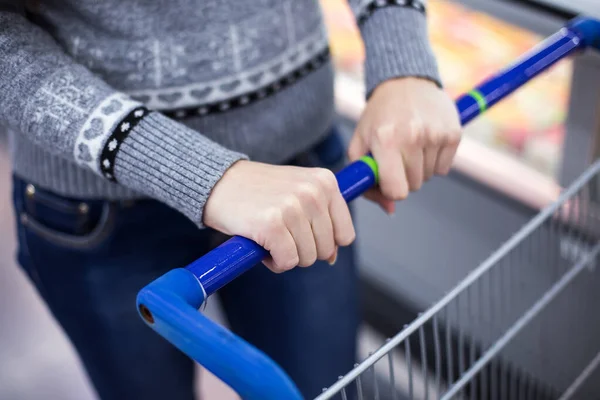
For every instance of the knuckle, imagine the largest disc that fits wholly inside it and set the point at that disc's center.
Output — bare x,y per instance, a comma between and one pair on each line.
309,194
386,135
273,220
286,264
414,137
415,134
268,226
435,136
348,238
326,178
290,263
291,207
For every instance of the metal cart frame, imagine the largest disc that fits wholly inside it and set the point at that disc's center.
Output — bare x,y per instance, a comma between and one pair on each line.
170,304
472,330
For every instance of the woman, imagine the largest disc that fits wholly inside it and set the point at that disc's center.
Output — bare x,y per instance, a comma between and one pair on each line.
143,133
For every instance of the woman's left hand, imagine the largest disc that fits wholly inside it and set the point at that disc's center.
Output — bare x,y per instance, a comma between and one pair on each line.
412,129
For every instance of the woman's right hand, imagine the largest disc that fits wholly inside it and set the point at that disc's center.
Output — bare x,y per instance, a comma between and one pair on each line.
297,214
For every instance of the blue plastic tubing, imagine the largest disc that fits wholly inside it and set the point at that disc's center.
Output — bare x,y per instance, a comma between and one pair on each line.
170,304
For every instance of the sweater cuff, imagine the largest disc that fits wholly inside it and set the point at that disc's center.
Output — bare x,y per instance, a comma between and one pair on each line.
397,45
171,163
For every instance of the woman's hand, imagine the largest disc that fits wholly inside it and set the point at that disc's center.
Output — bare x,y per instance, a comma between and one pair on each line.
297,214
412,129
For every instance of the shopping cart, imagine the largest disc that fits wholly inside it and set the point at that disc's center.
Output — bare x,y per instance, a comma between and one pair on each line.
478,341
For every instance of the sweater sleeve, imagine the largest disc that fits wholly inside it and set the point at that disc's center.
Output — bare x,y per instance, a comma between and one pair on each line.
64,108
396,40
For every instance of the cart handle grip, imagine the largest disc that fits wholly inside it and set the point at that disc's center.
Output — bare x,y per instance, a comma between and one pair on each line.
169,304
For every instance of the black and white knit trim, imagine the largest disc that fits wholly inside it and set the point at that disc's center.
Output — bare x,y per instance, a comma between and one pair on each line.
99,125
260,93
373,5
111,147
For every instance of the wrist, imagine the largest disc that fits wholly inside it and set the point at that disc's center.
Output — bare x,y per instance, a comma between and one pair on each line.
410,83
408,80
171,163
213,200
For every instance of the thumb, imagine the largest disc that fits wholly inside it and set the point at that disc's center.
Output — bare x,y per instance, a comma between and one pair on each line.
357,148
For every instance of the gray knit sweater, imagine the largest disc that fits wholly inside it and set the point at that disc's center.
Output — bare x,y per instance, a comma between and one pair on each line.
132,98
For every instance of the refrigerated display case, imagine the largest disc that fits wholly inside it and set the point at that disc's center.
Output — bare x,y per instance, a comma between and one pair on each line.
471,45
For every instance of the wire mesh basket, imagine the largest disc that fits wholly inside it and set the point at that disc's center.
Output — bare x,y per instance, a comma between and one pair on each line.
520,326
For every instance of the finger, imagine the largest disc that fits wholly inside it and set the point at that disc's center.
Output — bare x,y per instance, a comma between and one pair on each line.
413,163
374,195
336,211
357,148
445,158
283,252
392,175
301,230
268,262
429,161
322,229
341,219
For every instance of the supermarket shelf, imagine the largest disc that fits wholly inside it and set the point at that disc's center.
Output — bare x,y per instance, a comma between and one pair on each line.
498,171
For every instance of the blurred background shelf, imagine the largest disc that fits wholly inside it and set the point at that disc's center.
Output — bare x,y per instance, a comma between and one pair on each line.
470,46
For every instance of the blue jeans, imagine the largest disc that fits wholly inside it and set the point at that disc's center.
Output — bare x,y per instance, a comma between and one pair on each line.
89,258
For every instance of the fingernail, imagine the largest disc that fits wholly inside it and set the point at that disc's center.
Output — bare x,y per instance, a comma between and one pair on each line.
333,259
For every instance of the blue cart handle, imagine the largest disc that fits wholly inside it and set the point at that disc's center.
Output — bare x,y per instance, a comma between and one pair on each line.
170,304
